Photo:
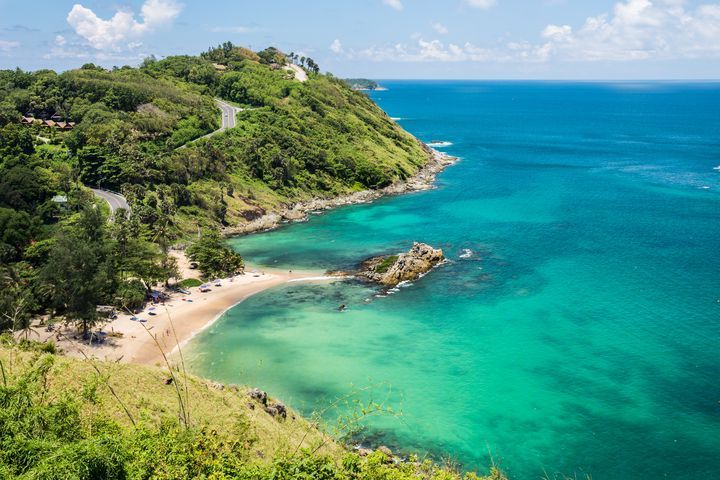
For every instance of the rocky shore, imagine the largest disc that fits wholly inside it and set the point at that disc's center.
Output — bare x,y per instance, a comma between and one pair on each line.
422,180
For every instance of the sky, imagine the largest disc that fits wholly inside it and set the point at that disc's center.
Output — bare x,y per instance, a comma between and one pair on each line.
383,39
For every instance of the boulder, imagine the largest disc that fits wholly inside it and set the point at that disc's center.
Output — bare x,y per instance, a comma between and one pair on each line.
277,409
281,409
390,270
259,395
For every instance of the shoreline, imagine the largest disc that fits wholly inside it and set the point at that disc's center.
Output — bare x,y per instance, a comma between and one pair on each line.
175,322
423,179
183,342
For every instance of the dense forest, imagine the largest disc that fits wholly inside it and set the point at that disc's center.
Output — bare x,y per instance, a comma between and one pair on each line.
144,132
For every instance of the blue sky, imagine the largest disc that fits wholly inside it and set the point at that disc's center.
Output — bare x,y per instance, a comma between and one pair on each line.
483,39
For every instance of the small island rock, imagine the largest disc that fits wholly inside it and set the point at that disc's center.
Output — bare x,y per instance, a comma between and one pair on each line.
393,269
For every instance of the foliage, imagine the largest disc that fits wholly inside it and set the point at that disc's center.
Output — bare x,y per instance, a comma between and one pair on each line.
190,283
130,294
79,272
59,420
388,262
214,257
133,126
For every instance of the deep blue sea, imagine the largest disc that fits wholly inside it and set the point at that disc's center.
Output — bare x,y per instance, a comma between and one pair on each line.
576,328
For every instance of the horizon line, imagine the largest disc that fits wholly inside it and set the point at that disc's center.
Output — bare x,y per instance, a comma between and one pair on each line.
595,80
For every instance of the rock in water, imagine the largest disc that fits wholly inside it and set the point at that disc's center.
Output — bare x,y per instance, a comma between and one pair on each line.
393,269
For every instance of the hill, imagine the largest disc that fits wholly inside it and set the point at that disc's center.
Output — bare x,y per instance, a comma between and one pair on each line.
362,84
293,141
153,133
72,419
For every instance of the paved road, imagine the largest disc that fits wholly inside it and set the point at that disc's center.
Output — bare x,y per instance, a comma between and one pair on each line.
299,72
227,120
228,115
115,200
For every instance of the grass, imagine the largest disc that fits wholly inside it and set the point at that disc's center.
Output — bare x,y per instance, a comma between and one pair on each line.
62,417
385,265
190,282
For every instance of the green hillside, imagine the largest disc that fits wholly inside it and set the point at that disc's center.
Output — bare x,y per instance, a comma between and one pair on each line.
72,419
293,141
152,134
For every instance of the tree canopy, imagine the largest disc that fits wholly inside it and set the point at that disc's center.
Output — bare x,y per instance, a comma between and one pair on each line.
143,132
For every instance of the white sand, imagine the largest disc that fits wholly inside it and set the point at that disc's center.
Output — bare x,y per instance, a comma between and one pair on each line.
175,322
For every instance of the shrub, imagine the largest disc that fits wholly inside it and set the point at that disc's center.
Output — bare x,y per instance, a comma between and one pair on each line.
130,294
190,282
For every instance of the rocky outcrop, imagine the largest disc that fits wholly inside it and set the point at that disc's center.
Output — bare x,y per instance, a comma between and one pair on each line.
390,270
277,409
259,396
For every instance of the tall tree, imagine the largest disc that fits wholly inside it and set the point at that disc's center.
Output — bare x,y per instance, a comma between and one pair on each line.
214,257
79,272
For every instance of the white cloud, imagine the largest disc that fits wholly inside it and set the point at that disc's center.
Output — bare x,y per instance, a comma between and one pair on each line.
440,28
634,30
396,4
482,4
122,29
336,46
60,40
640,29
430,51
557,32
7,45
159,12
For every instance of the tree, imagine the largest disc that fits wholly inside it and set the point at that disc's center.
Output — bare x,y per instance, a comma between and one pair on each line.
214,257
16,301
8,113
79,273
312,65
22,189
14,140
135,256
16,231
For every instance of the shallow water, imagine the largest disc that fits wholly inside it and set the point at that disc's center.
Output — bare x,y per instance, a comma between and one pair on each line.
580,330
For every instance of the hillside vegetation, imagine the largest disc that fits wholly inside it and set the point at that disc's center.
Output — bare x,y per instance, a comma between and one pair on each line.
144,132
72,419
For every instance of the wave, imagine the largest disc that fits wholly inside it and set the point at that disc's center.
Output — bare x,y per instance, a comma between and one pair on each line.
466,253
439,144
396,119
717,168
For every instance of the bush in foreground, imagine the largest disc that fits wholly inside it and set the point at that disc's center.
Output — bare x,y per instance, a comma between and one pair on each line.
63,418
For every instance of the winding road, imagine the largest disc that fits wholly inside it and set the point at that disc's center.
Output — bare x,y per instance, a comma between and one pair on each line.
227,120
114,200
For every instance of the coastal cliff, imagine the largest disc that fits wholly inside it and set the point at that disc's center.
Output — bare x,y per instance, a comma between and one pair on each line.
300,211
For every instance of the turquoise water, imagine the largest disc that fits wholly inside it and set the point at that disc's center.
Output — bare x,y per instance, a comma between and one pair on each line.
581,335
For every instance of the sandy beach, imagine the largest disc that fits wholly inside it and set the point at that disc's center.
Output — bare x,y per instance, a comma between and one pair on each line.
173,322
176,321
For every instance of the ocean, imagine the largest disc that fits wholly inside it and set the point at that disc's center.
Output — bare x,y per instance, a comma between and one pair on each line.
576,327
